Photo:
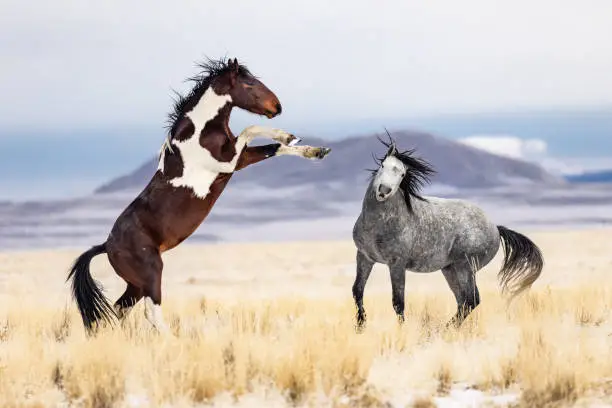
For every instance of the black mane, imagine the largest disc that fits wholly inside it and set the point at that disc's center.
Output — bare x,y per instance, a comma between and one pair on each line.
209,70
418,171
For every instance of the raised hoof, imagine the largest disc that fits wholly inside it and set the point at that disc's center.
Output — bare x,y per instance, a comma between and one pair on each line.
322,152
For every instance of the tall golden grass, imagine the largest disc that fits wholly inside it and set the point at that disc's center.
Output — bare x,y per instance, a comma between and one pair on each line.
269,345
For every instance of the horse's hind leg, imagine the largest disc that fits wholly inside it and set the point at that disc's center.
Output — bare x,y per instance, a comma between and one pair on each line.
364,267
461,278
152,278
141,266
126,302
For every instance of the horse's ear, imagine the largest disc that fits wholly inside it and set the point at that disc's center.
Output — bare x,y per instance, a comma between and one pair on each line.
392,147
233,70
233,64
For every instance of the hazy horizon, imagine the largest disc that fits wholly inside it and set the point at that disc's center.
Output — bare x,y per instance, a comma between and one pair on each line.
73,163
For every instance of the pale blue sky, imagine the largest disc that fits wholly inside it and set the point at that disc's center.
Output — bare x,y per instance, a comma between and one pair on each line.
79,64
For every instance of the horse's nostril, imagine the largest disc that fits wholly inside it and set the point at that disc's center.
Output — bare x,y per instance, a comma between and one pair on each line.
279,108
384,190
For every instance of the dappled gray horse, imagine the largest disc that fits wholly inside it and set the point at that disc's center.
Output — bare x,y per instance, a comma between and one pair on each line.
406,231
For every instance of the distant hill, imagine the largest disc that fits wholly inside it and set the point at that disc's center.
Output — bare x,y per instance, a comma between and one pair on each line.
292,198
604,176
457,165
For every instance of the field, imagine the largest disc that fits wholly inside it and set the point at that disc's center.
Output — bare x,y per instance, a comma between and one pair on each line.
272,325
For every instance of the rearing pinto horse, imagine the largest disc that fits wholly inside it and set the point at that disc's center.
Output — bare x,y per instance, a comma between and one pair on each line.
195,164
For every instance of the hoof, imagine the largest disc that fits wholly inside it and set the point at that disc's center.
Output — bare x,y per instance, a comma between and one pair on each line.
323,151
360,323
452,324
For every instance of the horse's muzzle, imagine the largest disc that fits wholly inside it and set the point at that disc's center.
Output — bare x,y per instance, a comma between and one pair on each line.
383,192
278,109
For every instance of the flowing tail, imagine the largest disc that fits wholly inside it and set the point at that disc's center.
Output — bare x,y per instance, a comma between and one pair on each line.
523,262
90,300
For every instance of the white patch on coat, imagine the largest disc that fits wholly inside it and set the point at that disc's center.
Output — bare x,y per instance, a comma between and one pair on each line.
204,111
207,108
153,313
200,168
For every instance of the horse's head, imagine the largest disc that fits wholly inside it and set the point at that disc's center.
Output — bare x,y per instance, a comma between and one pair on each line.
399,171
246,91
389,175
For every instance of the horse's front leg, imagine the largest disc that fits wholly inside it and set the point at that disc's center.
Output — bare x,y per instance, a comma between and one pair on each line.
247,155
255,154
364,267
398,282
263,132
308,152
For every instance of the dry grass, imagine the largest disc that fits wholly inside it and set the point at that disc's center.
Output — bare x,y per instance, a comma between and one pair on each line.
274,327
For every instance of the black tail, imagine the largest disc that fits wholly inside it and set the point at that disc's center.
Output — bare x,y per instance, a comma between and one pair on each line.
523,262
92,304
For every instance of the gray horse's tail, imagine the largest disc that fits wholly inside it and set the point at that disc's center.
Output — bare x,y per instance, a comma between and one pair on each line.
523,262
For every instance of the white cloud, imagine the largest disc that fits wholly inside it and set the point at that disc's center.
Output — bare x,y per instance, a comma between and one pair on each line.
532,150
509,146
